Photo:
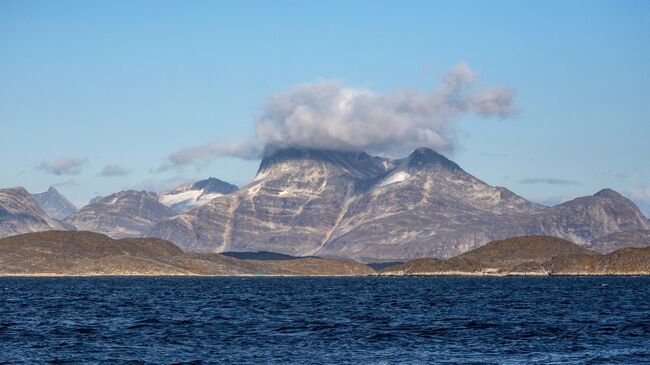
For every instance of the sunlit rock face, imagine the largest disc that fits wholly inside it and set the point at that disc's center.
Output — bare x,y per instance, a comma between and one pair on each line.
19,213
351,204
124,214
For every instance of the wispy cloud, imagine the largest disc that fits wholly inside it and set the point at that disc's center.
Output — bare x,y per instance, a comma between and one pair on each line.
203,154
548,181
66,183
641,193
113,170
62,166
329,115
641,196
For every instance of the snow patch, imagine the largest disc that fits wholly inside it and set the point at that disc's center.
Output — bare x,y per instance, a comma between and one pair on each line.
395,178
206,198
183,200
253,190
170,199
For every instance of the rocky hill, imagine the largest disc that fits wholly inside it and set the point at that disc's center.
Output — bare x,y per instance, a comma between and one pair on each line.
506,255
351,204
626,261
19,213
531,255
87,253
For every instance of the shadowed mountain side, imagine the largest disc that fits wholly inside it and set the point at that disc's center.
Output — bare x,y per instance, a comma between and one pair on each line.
259,255
54,204
87,253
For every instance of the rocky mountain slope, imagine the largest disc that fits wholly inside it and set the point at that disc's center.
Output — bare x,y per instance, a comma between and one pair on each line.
531,255
348,204
54,204
86,253
124,214
619,240
291,207
19,213
188,196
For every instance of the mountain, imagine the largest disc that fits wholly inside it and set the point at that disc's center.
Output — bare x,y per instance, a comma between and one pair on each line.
125,214
531,255
619,240
87,253
291,207
54,203
188,196
350,204
19,213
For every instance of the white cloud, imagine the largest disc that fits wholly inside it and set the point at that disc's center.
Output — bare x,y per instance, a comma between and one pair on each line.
642,194
113,170
62,166
329,115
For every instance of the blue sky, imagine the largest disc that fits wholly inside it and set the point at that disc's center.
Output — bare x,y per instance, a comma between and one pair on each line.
124,84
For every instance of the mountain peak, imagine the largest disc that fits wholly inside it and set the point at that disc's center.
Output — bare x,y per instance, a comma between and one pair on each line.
608,193
54,203
424,156
359,164
214,185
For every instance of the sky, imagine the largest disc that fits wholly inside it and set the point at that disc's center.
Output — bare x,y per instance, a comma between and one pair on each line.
546,98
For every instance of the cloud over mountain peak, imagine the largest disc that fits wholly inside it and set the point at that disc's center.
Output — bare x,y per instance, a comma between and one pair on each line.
329,115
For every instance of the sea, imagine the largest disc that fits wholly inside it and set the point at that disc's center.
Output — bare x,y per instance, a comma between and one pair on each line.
324,320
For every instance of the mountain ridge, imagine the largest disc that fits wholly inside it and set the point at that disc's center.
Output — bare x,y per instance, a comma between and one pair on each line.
350,204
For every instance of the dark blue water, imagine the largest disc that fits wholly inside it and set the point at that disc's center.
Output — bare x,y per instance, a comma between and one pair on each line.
324,320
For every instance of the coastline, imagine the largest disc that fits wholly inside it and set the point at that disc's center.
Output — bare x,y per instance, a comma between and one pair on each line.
439,274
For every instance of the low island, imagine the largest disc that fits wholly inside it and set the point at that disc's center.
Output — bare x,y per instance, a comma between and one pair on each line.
75,253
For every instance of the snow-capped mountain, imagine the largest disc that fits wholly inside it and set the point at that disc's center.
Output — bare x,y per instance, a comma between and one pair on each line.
351,204
54,203
188,196
19,213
